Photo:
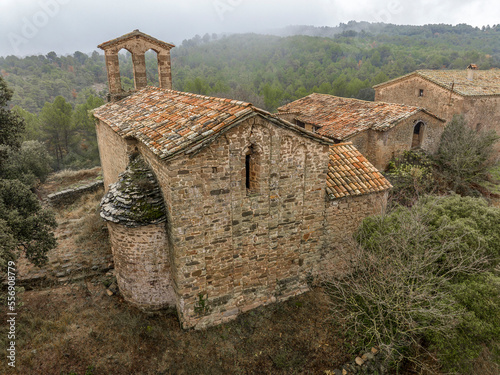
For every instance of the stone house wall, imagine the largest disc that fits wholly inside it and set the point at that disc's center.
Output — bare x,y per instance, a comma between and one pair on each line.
380,147
240,248
342,217
437,100
480,112
113,153
483,113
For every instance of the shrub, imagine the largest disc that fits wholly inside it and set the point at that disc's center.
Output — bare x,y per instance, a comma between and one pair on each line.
464,155
411,176
30,164
478,329
406,276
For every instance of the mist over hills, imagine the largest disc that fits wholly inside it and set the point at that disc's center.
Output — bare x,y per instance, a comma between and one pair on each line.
267,69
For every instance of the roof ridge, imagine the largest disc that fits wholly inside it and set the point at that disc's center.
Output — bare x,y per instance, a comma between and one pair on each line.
130,35
343,98
205,97
341,144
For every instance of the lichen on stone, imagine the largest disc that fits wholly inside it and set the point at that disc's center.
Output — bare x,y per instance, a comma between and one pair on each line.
135,199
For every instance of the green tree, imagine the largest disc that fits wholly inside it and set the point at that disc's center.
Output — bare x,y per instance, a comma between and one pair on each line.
464,155
85,147
11,125
56,124
30,164
24,224
32,131
31,226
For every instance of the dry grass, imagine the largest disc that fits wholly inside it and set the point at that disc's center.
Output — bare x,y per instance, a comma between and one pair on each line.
68,179
93,232
69,176
74,328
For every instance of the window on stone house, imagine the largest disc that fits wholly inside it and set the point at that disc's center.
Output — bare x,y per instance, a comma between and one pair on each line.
252,167
300,123
248,165
421,92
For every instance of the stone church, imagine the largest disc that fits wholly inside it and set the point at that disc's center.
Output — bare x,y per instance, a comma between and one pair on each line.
215,207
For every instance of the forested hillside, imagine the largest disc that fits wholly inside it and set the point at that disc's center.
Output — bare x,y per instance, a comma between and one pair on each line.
266,70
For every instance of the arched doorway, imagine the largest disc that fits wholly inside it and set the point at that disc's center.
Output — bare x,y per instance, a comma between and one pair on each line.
418,134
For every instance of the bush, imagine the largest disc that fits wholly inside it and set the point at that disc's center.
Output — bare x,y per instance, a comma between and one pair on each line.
403,293
25,222
464,155
478,329
30,164
411,176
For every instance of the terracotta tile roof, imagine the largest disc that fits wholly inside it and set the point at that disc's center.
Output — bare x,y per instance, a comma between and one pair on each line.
169,121
350,173
133,34
340,118
485,82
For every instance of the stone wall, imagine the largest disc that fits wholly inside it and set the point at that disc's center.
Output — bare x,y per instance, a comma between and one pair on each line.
69,196
113,153
141,258
480,112
483,114
380,147
234,249
341,218
230,248
435,99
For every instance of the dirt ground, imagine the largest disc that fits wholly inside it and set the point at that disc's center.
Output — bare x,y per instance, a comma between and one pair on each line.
79,329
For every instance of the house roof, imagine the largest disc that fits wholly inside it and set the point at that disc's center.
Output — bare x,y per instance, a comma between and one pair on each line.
169,121
134,34
341,118
351,174
484,83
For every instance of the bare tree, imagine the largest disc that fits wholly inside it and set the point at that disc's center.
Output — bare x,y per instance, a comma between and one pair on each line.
398,290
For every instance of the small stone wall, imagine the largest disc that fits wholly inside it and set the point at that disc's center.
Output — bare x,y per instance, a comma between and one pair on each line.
69,196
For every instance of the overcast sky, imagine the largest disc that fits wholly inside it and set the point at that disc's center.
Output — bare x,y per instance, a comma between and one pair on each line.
64,26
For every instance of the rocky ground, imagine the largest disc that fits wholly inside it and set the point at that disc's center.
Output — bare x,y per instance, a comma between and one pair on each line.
76,256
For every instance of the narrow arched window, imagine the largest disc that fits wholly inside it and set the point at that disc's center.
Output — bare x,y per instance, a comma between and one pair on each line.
248,165
252,170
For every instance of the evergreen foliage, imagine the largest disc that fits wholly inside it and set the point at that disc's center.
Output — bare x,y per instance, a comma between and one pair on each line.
24,224
424,279
464,155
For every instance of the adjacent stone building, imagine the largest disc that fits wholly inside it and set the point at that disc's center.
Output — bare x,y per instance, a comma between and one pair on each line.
380,131
216,207
471,92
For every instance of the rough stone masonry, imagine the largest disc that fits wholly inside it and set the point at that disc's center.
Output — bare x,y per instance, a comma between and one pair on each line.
251,205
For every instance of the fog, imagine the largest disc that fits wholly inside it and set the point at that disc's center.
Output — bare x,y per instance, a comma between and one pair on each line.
64,26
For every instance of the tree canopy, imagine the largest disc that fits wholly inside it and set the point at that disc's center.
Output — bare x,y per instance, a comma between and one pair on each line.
24,224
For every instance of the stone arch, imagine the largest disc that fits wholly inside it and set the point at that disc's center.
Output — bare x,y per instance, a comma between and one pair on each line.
418,134
152,71
137,43
125,70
